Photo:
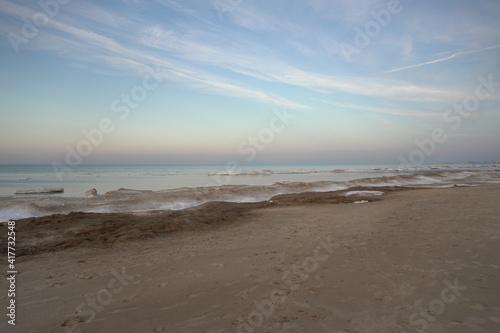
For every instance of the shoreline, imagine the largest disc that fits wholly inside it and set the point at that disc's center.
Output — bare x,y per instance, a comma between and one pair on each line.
409,260
104,230
144,201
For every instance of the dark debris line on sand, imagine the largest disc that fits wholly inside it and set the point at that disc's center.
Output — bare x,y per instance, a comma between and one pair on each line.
87,230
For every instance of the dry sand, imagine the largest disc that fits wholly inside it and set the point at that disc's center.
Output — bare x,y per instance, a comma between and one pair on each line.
414,260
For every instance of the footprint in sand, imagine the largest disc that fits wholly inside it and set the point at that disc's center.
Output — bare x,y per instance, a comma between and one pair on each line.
384,299
313,291
164,284
237,321
218,265
72,321
301,313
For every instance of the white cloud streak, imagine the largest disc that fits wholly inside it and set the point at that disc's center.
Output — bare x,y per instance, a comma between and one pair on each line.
388,111
82,44
184,55
454,55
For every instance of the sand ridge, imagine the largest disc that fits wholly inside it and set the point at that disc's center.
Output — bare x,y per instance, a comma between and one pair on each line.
61,231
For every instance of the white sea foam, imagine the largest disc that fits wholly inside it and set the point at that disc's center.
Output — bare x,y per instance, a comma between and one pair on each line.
16,212
242,173
361,201
331,188
178,205
49,202
364,193
303,171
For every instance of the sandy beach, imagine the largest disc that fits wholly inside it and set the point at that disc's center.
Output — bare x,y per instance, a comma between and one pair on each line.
411,260
235,166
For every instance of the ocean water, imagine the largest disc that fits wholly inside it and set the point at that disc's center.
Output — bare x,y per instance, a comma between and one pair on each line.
146,188
105,178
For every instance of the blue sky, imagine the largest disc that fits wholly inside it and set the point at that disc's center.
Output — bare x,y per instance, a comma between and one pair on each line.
361,81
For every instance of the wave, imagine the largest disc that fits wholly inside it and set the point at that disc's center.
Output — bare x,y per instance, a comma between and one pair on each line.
277,172
143,201
242,173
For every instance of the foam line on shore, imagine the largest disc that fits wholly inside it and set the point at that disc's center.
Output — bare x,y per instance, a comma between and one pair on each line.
129,200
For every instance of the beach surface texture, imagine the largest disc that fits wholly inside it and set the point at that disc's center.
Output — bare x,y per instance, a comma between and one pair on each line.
407,260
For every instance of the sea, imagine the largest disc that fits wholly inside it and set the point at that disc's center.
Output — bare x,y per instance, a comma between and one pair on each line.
148,188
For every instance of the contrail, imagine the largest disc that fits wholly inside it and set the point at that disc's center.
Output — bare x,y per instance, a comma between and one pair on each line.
442,59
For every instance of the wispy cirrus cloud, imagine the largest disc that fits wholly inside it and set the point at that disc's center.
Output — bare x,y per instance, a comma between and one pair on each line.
84,45
388,111
454,55
238,58
188,52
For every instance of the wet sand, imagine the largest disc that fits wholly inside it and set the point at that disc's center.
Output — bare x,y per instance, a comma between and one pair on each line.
412,260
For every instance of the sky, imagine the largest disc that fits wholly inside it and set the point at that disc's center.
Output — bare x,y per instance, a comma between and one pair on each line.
251,81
